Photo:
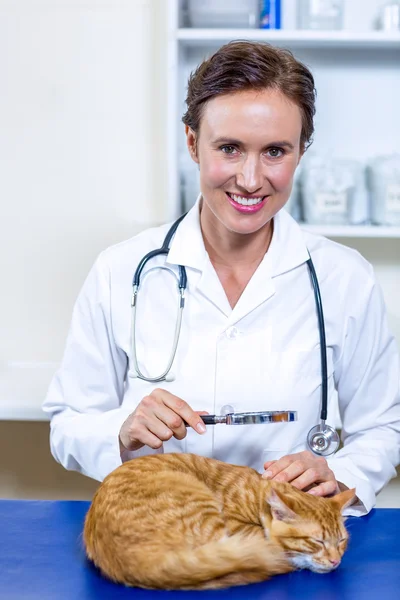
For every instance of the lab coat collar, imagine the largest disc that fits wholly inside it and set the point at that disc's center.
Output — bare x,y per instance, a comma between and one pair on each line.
187,246
288,248
286,252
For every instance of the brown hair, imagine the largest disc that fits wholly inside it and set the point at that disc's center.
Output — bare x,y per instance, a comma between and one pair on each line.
242,65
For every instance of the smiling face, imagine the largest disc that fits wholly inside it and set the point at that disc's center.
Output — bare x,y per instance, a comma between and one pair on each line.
248,148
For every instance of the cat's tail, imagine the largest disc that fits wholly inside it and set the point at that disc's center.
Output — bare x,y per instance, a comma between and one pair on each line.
230,561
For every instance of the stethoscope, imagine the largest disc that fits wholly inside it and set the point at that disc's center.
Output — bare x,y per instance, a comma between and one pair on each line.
322,439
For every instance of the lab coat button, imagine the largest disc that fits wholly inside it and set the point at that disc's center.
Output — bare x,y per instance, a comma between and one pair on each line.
232,333
227,409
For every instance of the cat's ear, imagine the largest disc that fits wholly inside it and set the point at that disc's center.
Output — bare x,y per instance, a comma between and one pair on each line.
279,510
344,499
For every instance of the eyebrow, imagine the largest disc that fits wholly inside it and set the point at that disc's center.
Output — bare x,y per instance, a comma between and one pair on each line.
225,140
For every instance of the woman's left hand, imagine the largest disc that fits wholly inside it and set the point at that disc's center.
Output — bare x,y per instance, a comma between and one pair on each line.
303,470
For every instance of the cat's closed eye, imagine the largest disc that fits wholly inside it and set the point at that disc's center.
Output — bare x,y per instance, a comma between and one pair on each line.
322,542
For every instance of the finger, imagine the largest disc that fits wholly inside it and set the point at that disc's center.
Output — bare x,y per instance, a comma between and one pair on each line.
181,432
326,488
139,435
269,463
156,427
280,465
172,420
307,478
292,472
151,440
183,409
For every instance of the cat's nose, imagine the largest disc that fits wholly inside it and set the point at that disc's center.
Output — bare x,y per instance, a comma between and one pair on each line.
334,562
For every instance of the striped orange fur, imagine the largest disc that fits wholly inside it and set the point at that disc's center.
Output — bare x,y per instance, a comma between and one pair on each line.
182,521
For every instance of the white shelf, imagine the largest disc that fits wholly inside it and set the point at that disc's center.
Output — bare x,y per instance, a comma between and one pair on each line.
353,231
22,411
293,38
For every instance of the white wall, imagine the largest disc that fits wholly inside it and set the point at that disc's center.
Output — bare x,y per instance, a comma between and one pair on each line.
80,152
82,163
82,160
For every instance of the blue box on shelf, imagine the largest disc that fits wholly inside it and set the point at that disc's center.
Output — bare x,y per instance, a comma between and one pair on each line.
270,14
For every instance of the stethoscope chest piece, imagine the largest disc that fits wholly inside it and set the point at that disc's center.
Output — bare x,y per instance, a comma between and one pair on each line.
323,440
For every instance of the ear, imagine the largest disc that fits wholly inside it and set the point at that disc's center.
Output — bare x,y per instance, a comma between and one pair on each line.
191,141
344,499
279,510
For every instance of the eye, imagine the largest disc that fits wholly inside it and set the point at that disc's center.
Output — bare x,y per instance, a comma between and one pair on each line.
322,542
276,152
228,149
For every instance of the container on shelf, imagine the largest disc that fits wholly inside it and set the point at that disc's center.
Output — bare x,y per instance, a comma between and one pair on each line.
270,14
293,205
320,14
223,14
384,184
333,191
389,17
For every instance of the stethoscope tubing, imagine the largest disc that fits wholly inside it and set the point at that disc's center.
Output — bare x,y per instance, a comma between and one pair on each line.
159,251
317,434
182,283
322,339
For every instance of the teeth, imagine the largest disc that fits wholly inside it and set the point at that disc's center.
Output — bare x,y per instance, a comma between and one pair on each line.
246,201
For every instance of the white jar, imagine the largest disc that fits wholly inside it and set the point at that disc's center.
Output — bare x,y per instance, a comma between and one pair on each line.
389,17
384,185
320,14
332,191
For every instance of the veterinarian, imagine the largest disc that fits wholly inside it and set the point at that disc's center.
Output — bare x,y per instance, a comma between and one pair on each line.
249,336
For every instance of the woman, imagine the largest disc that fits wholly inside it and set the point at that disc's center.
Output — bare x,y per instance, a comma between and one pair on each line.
249,339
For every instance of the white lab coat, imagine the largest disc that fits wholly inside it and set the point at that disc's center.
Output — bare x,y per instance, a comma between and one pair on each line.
261,355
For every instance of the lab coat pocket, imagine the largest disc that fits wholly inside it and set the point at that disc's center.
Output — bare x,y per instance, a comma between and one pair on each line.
295,375
269,454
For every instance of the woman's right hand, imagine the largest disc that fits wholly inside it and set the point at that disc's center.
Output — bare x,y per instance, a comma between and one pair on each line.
156,419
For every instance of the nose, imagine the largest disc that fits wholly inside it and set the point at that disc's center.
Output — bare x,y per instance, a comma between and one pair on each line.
334,562
250,176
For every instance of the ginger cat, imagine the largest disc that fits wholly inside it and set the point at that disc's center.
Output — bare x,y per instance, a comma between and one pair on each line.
182,521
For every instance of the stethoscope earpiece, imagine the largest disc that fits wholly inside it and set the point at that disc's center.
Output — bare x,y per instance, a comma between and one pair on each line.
323,440
170,376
